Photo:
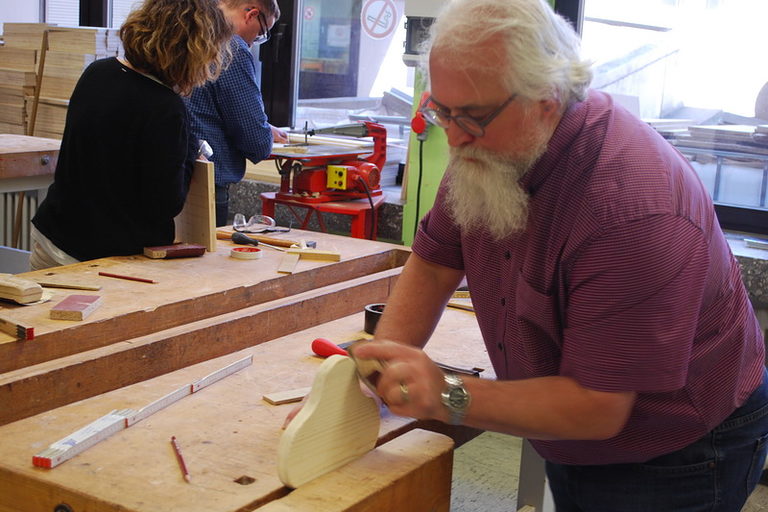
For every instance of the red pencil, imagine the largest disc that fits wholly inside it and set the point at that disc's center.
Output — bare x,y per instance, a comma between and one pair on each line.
180,458
129,278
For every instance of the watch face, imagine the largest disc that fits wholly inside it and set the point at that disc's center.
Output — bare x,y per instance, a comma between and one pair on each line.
458,398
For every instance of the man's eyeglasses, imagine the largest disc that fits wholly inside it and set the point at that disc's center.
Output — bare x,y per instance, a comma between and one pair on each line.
266,33
472,125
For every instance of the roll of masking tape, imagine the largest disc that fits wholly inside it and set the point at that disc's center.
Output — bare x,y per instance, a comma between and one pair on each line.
245,253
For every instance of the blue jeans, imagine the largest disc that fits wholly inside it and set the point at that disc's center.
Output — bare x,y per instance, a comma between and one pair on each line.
714,474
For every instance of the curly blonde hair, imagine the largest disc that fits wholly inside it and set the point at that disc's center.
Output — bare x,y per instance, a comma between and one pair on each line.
181,42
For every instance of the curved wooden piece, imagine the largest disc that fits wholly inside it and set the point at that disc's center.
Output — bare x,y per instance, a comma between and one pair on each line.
337,425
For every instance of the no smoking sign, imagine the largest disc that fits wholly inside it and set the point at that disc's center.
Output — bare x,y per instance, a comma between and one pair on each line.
379,18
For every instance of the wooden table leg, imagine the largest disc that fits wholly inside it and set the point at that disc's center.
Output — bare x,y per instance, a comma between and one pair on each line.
17,221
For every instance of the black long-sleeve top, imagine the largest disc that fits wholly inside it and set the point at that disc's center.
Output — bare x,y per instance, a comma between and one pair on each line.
124,166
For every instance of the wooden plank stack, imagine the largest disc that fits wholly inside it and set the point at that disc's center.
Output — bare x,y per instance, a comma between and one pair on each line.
70,51
18,63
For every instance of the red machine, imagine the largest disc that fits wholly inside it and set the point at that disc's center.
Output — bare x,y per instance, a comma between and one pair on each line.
323,173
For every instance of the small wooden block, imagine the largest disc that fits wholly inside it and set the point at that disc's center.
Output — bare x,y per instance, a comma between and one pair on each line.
174,251
288,263
23,291
75,307
315,254
286,397
460,305
337,425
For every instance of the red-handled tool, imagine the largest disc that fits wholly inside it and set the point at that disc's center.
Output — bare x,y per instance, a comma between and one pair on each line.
325,347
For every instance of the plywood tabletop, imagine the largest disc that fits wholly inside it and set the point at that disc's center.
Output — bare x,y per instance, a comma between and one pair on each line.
228,433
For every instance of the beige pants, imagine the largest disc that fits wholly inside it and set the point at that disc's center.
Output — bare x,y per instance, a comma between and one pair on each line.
45,254
39,259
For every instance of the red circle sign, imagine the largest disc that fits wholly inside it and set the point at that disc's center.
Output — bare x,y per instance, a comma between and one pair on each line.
379,18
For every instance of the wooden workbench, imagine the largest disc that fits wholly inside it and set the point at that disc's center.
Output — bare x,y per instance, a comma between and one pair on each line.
23,157
26,163
200,308
147,339
229,433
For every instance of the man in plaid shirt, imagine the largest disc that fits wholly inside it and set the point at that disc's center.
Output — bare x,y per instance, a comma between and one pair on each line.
229,112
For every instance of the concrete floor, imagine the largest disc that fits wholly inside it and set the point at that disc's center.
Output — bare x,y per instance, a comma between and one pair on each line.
485,475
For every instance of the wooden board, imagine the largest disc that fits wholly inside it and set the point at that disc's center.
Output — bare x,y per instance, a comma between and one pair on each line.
25,35
229,434
21,156
17,78
336,425
18,58
196,224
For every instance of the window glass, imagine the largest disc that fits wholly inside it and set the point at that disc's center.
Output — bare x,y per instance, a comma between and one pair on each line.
693,70
351,64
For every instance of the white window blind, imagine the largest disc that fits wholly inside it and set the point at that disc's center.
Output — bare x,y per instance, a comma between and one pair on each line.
62,12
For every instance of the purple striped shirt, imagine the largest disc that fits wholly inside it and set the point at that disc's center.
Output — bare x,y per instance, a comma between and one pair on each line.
623,281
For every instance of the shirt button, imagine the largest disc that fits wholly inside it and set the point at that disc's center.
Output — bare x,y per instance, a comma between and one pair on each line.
501,346
503,301
507,255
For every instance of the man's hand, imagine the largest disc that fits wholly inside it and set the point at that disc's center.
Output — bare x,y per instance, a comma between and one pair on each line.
411,383
278,135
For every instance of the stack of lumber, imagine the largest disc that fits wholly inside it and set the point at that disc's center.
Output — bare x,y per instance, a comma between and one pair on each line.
18,64
70,50
727,137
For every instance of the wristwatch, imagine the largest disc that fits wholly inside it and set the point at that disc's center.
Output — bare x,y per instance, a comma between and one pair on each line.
455,398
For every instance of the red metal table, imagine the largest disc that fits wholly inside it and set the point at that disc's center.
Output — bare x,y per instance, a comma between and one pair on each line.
359,209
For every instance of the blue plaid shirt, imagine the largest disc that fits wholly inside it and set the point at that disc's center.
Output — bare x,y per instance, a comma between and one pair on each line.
229,114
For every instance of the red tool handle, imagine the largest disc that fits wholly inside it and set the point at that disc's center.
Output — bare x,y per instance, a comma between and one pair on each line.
325,347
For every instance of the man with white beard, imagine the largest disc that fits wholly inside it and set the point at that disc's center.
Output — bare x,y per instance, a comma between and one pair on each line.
611,307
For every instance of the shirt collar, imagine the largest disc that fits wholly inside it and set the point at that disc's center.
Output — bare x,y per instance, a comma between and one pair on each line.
560,143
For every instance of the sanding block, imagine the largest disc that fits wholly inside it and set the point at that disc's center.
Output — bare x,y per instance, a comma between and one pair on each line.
75,307
19,290
174,251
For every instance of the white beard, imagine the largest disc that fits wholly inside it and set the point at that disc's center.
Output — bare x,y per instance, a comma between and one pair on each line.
485,193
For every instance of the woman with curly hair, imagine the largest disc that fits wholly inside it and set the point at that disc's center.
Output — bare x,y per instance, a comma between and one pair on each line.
127,154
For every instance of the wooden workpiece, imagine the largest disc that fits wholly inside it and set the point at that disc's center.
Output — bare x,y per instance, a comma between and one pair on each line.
17,289
336,425
230,435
